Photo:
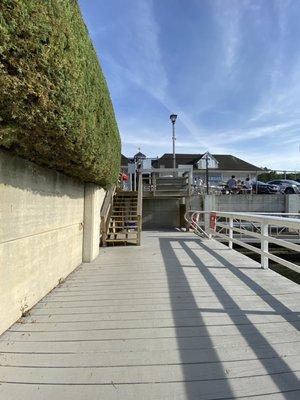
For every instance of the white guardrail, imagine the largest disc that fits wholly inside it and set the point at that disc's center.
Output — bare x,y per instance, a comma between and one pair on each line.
263,227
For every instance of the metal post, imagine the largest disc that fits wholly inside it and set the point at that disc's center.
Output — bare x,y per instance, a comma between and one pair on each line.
173,118
206,173
230,242
173,138
256,176
134,182
264,245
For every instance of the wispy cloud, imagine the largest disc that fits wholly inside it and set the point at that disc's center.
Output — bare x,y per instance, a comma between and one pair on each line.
243,134
228,16
236,71
141,52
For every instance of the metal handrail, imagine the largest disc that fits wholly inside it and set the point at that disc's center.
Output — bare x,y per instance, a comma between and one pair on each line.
266,223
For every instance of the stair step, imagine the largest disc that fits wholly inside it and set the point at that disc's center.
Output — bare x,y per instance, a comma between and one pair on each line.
123,239
122,203
119,218
121,236
125,206
130,241
128,216
124,212
127,223
125,203
131,194
123,226
122,232
121,212
125,229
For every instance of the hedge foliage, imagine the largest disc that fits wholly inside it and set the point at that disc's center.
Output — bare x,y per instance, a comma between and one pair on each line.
55,108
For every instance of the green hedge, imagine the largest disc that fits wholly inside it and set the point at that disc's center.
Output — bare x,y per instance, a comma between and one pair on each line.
55,107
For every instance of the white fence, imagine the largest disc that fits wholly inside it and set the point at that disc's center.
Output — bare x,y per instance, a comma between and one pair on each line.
264,228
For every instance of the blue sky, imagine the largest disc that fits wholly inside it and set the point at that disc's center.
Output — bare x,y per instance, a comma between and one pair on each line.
230,69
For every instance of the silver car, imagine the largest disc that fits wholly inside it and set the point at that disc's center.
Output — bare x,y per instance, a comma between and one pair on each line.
287,186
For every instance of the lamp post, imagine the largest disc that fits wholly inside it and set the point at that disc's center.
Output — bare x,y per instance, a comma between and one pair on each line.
206,174
173,120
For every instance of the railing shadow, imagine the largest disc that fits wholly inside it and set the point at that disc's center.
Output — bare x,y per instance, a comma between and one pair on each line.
172,265
220,388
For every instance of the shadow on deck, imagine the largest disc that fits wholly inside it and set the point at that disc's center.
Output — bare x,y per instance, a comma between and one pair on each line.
268,361
177,318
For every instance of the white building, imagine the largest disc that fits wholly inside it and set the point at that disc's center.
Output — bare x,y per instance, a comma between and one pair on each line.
220,166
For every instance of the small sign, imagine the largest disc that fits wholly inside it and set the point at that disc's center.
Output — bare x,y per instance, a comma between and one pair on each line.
213,221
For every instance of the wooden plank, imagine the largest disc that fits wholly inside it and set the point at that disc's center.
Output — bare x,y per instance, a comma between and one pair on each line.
176,318
66,323
219,389
145,374
138,358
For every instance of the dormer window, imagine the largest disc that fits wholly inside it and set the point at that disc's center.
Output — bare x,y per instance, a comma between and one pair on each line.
212,162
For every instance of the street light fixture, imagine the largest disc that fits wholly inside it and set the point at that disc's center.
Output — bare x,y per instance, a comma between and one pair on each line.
173,118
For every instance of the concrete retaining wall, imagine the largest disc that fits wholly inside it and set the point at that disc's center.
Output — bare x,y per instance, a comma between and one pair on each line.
251,203
161,213
247,203
41,232
164,213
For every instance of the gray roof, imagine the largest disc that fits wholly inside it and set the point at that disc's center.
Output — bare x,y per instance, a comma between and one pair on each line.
227,162
124,161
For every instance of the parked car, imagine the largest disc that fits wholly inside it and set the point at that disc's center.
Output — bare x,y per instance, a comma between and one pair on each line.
287,186
264,188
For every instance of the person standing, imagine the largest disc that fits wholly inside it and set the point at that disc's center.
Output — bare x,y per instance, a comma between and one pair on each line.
248,185
232,184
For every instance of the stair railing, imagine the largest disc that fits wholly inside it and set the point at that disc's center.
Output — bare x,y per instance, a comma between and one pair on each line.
105,214
139,209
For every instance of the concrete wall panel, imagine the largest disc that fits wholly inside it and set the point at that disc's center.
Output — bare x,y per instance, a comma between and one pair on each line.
251,203
41,233
93,200
161,213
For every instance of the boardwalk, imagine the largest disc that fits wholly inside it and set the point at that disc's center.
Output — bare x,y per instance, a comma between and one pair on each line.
177,318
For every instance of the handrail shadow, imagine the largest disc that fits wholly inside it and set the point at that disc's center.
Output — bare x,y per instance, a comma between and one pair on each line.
171,262
238,316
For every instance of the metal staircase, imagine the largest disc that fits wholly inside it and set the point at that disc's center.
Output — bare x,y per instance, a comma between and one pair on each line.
121,217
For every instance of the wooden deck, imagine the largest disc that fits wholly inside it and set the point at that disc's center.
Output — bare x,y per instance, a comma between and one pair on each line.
177,318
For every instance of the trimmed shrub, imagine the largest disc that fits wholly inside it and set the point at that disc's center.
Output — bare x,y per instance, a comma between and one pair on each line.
55,107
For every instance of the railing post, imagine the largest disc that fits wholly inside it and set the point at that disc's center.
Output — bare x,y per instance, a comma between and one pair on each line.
230,242
139,209
139,225
154,184
264,245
